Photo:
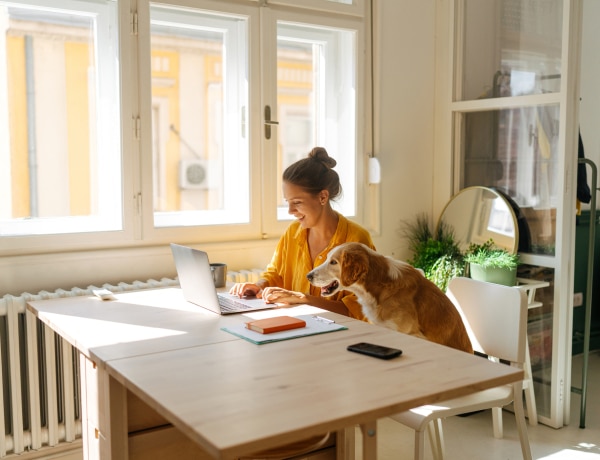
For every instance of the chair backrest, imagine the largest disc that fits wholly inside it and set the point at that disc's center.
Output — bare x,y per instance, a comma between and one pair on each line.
495,317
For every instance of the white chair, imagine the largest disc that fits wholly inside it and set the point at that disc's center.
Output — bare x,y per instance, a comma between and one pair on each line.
496,319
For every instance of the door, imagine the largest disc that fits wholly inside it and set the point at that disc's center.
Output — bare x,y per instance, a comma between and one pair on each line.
511,124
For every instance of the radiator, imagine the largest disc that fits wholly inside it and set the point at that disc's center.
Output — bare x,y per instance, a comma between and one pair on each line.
39,371
244,276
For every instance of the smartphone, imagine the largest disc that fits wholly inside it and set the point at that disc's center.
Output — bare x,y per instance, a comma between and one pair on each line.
377,351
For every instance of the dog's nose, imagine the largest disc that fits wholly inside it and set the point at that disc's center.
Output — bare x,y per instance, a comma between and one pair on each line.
310,275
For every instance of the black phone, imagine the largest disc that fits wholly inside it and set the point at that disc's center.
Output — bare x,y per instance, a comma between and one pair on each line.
377,351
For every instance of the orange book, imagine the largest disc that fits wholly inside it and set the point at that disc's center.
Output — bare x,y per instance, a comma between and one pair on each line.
275,324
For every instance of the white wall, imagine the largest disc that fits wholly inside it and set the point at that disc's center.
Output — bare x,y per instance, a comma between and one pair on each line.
404,115
83,268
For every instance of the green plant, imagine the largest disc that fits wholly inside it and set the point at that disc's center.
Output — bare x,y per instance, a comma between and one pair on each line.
426,247
438,255
445,268
488,255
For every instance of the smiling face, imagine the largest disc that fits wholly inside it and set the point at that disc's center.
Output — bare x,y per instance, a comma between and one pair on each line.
306,207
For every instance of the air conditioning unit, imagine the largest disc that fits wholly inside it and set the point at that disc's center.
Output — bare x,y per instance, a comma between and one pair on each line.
193,174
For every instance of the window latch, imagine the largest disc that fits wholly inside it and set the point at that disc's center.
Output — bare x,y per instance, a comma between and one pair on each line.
268,122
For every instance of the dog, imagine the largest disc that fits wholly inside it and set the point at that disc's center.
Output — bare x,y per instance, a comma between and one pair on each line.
392,294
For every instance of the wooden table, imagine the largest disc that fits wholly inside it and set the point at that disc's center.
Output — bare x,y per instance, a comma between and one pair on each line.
160,375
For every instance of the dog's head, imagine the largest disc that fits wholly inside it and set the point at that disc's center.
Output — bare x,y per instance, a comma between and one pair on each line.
345,265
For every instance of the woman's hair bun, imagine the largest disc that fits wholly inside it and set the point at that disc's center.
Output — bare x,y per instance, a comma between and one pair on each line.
315,173
321,155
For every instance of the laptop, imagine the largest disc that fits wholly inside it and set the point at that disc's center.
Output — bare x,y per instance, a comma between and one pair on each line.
197,284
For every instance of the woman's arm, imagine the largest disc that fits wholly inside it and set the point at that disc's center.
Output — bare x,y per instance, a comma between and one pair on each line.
280,295
335,306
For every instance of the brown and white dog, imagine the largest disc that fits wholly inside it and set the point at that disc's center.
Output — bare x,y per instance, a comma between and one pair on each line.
392,293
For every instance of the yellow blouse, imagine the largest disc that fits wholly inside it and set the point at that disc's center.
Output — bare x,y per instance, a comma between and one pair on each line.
291,261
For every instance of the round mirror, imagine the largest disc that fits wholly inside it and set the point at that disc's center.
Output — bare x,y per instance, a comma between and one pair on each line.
476,214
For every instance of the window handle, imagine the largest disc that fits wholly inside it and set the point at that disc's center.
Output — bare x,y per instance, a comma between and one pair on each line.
268,122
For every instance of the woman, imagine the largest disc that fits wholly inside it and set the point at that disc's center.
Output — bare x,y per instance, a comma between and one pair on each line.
309,185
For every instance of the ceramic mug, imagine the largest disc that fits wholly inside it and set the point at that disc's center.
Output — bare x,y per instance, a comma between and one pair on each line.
219,273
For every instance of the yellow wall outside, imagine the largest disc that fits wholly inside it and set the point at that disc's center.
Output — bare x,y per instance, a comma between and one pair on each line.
171,94
213,74
76,61
288,95
17,109
78,132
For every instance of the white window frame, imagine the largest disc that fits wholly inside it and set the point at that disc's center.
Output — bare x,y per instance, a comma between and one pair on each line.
108,221
136,141
235,149
274,222
354,7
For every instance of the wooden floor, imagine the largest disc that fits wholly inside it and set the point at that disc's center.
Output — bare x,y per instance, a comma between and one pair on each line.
472,438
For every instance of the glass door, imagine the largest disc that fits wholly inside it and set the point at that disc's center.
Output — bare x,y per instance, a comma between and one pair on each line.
513,130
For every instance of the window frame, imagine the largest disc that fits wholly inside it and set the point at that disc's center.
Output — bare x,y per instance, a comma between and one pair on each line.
448,158
272,225
33,233
165,222
355,8
133,22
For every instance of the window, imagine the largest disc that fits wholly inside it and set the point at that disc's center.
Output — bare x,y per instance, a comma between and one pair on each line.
60,146
200,147
316,103
151,128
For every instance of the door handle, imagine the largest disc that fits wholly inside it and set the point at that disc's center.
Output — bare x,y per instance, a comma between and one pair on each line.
268,122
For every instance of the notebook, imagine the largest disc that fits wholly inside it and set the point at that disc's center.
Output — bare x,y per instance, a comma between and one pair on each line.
314,325
196,281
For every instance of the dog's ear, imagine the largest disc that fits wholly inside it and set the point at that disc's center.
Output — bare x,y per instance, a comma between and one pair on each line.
354,263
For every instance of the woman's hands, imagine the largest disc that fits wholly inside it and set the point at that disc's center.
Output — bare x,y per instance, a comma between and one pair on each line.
270,294
246,290
273,294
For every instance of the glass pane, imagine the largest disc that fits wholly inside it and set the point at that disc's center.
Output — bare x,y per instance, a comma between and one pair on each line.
516,152
316,102
511,48
539,334
57,74
199,118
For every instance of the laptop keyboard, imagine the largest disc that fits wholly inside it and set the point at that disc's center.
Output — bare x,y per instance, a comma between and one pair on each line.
229,304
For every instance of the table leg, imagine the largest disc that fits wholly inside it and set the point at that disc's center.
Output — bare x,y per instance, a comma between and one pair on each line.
369,435
104,413
345,444
119,436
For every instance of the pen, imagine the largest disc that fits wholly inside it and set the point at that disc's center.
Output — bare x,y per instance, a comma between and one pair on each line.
325,320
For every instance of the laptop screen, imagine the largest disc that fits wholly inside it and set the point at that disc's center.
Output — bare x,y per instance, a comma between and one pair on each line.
195,277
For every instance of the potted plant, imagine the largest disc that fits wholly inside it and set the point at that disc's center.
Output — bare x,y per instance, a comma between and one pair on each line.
488,262
438,255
